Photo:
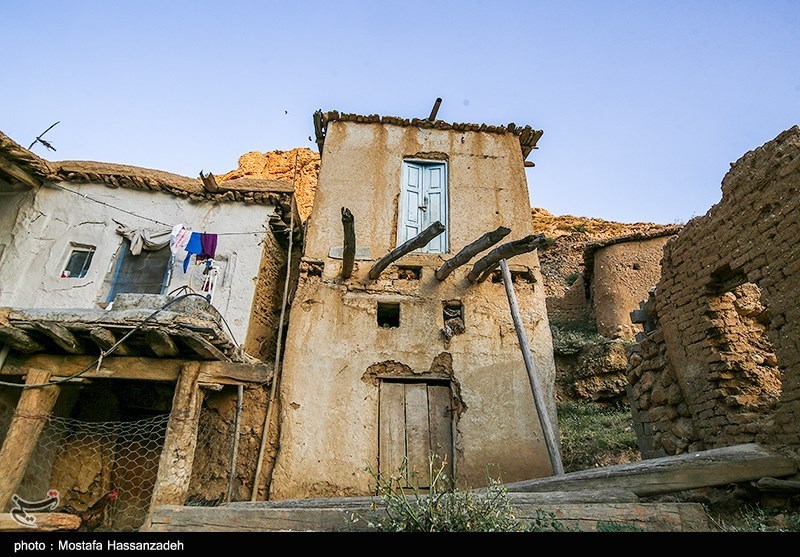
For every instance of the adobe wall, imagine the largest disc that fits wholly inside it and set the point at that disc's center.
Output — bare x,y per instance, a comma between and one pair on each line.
335,349
45,228
622,275
721,364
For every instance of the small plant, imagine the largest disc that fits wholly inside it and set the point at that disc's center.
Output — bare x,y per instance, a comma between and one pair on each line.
545,521
612,526
754,518
582,227
572,337
590,432
443,508
571,278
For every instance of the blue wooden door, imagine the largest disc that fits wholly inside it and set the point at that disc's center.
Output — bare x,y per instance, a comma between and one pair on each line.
423,201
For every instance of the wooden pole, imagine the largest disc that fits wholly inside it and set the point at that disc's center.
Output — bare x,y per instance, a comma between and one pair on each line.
408,246
468,252
349,246
538,397
486,264
33,409
177,456
235,448
435,109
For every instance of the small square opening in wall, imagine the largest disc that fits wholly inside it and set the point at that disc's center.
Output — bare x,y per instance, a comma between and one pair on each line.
80,258
388,315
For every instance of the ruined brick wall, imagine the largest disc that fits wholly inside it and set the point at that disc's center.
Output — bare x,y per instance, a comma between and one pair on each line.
722,364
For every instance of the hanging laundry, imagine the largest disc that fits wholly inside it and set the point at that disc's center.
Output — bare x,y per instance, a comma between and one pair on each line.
179,238
209,243
194,246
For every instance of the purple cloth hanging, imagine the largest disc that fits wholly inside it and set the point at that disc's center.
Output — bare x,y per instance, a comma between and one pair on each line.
209,243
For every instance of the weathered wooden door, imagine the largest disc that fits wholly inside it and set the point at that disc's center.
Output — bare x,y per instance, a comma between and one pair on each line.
415,430
423,201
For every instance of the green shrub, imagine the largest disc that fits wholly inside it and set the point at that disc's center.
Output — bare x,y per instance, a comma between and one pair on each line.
572,337
571,278
590,431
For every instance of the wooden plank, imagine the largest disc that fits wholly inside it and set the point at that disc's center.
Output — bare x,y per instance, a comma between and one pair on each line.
160,342
177,456
441,427
545,421
43,522
651,517
740,463
19,339
485,265
366,502
105,339
62,336
418,439
392,434
471,250
33,408
203,347
145,369
18,173
418,241
349,245
776,485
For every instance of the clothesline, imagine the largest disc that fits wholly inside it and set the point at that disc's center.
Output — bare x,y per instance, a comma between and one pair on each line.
144,217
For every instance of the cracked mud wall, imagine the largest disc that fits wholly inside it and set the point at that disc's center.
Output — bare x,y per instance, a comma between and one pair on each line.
48,227
329,433
722,365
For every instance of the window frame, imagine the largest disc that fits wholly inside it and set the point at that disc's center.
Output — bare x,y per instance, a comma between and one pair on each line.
400,232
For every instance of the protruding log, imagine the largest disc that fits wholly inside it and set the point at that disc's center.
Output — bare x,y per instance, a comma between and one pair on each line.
19,339
204,347
105,339
435,109
408,246
349,246
177,456
62,336
160,342
468,252
33,408
486,264
43,522
209,182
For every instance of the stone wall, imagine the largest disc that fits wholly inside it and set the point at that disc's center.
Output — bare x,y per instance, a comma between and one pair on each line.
720,364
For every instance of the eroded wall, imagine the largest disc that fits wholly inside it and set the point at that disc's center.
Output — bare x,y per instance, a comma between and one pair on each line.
330,390
622,275
48,227
721,364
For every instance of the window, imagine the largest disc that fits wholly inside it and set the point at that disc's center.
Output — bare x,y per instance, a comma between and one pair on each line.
423,201
146,273
388,315
415,427
80,258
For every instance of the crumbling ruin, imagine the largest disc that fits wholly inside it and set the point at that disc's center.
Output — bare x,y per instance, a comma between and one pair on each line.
719,362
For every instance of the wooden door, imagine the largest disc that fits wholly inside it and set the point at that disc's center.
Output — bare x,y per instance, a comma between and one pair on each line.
415,431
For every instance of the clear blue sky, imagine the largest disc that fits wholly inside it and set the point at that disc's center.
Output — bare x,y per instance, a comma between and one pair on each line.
643,103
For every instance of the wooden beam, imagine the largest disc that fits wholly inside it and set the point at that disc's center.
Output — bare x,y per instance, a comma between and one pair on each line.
105,339
468,252
349,245
19,339
670,474
545,422
435,109
583,517
33,409
160,342
209,182
177,456
203,347
43,522
19,174
143,369
62,336
486,264
417,241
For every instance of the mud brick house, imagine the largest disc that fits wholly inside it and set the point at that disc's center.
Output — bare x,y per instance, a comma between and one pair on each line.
86,269
719,362
386,365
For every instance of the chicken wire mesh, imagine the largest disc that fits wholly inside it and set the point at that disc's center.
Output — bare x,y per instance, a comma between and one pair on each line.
85,461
